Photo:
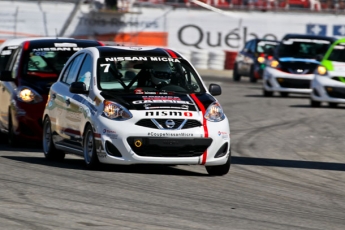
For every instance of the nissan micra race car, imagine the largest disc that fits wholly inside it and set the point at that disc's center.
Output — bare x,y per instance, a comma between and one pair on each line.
135,105
328,84
295,60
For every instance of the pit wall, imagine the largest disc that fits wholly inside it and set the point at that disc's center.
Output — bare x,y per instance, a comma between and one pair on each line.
210,40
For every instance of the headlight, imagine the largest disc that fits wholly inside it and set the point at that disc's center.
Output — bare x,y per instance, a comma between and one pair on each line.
261,59
321,70
115,111
274,64
214,112
28,95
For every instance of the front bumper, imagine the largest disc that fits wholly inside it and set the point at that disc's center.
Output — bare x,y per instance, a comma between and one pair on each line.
325,89
135,144
277,81
27,120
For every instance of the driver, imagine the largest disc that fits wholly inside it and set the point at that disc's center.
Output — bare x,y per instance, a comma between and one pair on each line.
160,78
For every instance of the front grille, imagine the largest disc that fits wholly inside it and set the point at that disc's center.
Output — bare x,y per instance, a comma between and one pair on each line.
294,83
169,147
336,92
298,67
149,123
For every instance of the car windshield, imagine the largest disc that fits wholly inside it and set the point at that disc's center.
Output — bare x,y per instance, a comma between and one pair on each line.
303,48
266,46
47,61
147,74
338,53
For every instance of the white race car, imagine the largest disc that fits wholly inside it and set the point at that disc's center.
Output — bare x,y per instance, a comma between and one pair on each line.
328,84
135,105
294,64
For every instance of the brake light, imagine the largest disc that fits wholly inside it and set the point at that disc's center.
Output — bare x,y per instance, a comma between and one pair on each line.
26,45
101,43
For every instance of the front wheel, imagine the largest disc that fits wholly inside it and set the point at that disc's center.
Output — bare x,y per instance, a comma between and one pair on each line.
315,104
267,93
252,75
49,150
89,149
235,75
333,104
219,170
284,94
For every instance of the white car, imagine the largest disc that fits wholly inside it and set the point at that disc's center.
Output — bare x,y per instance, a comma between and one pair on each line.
294,63
135,105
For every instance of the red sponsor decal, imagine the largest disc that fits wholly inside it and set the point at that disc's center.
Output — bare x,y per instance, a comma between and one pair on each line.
204,123
188,114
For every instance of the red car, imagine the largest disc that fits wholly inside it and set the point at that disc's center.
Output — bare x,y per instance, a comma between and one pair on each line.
24,84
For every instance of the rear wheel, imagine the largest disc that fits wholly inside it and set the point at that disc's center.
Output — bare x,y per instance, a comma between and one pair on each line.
49,150
89,149
235,75
11,137
219,170
314,103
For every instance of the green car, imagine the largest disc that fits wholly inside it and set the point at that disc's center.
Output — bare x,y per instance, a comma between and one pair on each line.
328,84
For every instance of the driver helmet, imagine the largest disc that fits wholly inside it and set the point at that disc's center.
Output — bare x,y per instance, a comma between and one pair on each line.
161,75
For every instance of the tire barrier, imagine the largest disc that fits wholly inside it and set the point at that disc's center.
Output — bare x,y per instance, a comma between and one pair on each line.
199,59
216,60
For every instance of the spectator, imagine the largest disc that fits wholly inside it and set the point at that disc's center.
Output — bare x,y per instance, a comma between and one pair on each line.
315,5
98,4
111,4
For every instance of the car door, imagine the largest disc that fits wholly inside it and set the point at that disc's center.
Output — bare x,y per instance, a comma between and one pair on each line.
249,57
7,88
241,64
80,106
66,129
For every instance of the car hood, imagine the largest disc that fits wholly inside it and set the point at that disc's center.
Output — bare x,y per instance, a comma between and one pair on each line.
40,83
161,101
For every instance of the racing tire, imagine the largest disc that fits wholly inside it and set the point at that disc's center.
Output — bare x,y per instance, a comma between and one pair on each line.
267,93
235,75
219,170
284,94
333,104
12,138
49,150
89,149
315,104
252,77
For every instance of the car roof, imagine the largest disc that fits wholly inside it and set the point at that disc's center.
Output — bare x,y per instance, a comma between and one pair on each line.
18,41
50,42
264,39
136,51
288,36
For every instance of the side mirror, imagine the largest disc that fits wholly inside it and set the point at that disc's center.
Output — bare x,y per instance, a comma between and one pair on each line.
215,89
6,75
78,88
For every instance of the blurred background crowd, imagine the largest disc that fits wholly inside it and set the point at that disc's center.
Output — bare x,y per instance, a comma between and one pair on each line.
311,5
